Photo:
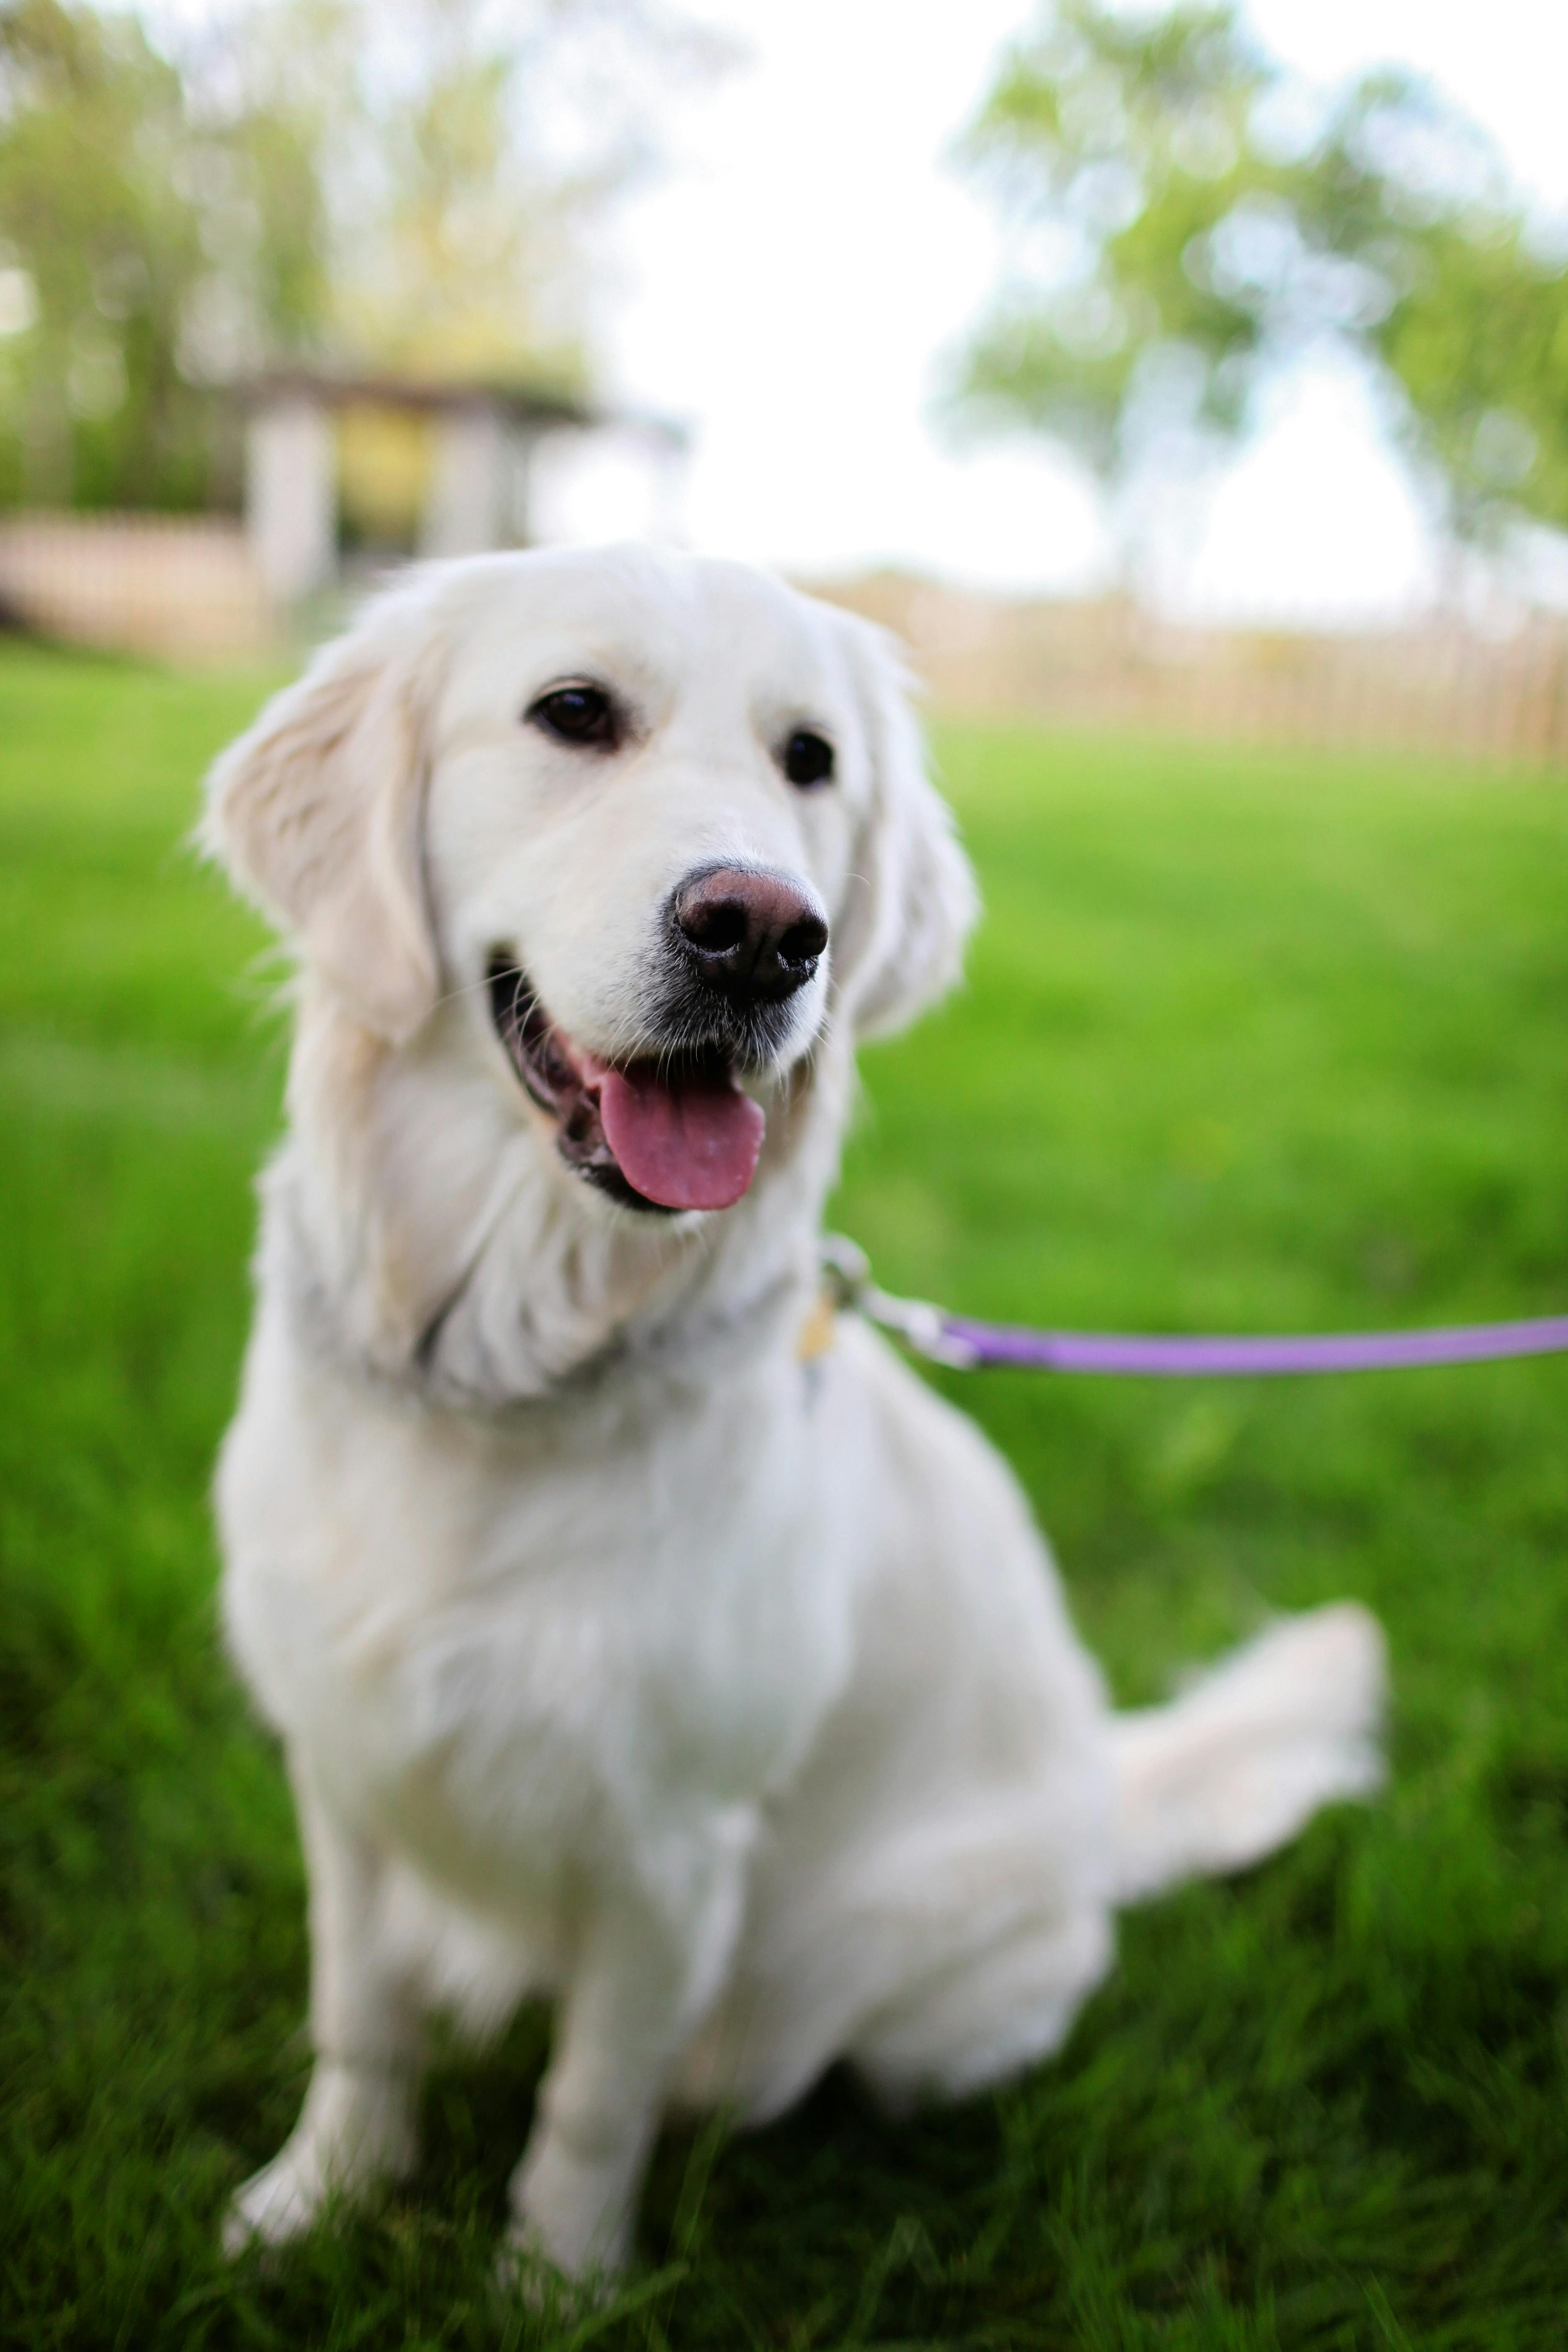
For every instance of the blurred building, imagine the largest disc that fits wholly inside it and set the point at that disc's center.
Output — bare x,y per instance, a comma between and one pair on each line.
346,477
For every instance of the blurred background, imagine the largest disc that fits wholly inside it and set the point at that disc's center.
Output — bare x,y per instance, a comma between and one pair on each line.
1166,377
1204,368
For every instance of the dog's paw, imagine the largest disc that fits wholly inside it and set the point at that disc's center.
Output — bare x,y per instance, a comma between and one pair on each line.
276,2204
354,2135
572,2214
525,2273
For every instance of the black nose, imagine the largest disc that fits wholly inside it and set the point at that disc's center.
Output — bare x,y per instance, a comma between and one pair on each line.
753,935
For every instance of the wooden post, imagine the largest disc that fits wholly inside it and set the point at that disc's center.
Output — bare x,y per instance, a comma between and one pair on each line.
291,496
468,510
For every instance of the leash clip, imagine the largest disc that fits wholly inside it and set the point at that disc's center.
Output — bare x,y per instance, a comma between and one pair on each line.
847,1272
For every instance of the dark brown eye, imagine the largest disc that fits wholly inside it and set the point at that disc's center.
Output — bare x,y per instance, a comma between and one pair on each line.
807,758
580,715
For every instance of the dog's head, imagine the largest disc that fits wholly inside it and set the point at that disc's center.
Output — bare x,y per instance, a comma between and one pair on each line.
656,821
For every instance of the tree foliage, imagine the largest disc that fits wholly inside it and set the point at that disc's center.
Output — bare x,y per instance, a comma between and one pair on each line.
407,183
103,250
1188,217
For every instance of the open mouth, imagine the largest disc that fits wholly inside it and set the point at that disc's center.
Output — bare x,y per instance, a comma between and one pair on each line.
668,1132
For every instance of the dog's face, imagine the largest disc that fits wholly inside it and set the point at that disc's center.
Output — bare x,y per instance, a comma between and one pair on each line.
645,796
656,820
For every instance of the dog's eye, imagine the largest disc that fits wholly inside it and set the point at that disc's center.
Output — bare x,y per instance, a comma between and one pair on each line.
582,715
807,758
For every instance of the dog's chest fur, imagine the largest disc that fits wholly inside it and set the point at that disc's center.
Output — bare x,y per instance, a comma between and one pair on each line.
537,1645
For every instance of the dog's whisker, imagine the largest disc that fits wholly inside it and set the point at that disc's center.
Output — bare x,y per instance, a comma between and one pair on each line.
475,987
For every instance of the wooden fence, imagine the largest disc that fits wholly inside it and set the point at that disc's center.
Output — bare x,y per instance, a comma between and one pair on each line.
185,589
1436,686
178,588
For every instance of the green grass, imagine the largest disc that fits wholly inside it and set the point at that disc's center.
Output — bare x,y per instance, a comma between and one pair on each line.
1250,1043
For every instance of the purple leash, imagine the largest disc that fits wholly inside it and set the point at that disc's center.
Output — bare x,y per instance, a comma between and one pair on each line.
959,1340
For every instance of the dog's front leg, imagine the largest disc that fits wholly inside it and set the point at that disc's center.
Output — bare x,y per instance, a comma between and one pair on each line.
649,1968
356,2128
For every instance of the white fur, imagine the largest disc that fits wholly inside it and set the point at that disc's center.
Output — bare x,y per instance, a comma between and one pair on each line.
619,1654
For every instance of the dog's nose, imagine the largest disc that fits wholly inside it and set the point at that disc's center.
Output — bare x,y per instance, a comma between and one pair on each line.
753,934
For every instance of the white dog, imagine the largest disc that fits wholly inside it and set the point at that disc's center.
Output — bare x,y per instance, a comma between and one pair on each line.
620,1653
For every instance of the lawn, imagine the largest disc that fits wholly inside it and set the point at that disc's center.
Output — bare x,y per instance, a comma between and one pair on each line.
1250,1043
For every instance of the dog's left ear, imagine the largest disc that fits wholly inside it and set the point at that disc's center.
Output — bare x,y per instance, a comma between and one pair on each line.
316,815
912,898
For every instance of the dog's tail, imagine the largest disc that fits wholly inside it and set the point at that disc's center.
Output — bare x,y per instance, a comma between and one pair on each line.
1243,1759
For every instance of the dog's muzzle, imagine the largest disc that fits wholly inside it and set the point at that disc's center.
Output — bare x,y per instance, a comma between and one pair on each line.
670,1126
742,942
752,938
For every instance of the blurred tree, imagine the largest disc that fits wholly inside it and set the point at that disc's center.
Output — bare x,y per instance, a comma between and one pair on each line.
1189,217
406,182
100,250
464,152
480,174
142,247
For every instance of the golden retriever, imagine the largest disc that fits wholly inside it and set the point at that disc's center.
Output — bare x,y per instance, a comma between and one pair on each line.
624,1651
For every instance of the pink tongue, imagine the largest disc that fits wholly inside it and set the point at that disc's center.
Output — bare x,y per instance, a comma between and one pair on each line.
687,1146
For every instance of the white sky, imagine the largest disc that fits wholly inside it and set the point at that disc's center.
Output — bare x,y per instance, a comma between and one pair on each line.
793,283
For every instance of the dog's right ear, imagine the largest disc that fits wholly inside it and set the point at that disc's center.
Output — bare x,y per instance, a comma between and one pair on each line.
316,815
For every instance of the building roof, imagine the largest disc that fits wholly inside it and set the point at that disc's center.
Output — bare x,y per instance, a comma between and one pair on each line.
436,396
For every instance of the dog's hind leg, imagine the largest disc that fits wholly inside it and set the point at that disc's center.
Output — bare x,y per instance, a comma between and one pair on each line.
943,1951
1212,1782
990,2014
1241,1760
950,1954
356,2127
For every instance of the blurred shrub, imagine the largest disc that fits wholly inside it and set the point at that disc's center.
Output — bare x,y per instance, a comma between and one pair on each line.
410,183
1188,215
